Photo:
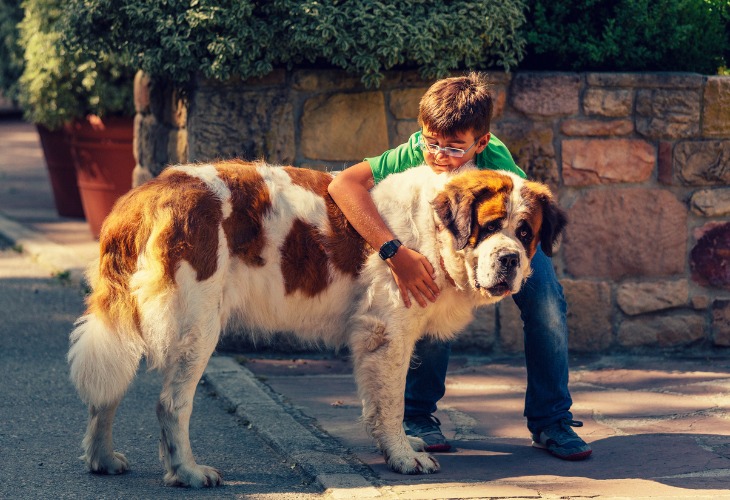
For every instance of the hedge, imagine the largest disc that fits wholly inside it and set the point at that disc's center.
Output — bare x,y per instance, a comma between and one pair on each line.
627,35
178,39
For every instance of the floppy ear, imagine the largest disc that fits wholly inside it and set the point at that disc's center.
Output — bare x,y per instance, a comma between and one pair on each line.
454,206
553,224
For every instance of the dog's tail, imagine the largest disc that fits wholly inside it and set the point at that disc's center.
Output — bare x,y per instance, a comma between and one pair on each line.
106,344
103,361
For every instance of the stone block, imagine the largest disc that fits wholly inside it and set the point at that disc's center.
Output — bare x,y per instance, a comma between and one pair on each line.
608,102
711,202
499,99
605,161
703,163
646,80
531,145
346,127
230,121
141,92
665,170
277,78
641,298
716,120
662,331
575,127
149,138
511,327
481,334
629,232
324,81
404,103
403,131
175,111
589,315
140,175
700,302
546,95
710,258
668,113
177,146
721,322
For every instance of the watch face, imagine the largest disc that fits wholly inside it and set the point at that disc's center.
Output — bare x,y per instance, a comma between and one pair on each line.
389,249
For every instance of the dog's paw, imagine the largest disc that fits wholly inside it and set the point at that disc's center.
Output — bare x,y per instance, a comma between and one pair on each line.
416,443
417,463
196,476
113,464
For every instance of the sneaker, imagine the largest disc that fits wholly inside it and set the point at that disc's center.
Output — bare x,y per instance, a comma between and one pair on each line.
427,427
560,440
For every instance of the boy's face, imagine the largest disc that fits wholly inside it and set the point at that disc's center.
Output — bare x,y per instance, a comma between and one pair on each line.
440,161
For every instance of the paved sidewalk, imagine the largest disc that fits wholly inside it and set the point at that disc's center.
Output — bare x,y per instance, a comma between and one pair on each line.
659,426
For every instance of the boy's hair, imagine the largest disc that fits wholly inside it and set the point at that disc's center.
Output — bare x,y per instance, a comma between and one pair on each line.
456,105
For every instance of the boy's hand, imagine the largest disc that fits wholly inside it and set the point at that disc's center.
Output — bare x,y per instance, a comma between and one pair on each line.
413,273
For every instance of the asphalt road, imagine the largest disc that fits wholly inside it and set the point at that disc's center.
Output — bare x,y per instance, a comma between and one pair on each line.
42,421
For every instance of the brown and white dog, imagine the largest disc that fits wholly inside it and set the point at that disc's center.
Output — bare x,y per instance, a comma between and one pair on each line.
202,247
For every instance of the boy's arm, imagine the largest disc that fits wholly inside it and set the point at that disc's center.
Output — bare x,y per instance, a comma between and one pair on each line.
412,272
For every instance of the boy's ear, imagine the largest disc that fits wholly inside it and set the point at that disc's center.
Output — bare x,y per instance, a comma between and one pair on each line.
483,142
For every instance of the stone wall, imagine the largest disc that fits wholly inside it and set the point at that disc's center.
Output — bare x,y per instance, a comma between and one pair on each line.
641,163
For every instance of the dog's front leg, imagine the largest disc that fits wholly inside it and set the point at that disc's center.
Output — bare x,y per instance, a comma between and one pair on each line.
381,362
181,378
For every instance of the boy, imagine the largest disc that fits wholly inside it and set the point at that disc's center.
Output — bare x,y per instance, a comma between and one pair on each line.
454,115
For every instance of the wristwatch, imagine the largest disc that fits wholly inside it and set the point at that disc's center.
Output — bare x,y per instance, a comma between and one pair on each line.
389,249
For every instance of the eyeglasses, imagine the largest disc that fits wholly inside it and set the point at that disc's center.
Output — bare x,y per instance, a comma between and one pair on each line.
434,149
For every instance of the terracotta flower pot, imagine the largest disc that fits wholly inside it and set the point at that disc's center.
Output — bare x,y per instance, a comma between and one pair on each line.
102,153
61,171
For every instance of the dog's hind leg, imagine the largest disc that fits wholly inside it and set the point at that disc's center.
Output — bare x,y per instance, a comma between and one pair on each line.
381,364
103,364
98,445
181,376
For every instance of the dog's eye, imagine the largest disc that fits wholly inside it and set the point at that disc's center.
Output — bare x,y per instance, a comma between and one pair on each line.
524,233
492,227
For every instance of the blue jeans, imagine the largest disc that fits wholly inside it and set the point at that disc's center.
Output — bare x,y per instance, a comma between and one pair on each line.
543,311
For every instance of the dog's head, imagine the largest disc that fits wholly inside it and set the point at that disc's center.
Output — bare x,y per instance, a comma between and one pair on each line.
496,221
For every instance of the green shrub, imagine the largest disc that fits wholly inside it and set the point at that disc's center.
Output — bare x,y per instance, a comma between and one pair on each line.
59,84
176,40
627,35
11,57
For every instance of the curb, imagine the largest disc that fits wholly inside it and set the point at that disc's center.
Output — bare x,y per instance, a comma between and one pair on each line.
52,255
326,461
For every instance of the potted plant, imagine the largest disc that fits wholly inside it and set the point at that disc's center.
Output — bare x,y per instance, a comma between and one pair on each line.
88,99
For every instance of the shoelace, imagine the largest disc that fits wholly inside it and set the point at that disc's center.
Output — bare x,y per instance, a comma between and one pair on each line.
564,426
422,424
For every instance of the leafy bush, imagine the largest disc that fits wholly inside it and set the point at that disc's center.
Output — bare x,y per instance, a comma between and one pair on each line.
11,57
178,39
627,35
59,84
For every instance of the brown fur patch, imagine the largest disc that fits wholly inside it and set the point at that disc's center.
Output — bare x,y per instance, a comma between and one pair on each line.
190,214
304,261
344,246
250,201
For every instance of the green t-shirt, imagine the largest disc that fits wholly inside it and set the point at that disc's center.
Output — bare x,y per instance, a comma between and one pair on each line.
495,156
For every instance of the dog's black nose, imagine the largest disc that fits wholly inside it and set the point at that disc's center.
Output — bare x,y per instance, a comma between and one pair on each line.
509,261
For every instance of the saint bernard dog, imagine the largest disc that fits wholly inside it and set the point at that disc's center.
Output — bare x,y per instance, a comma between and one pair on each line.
207,248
